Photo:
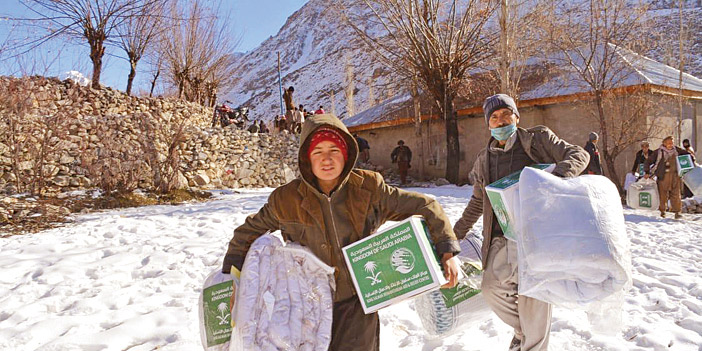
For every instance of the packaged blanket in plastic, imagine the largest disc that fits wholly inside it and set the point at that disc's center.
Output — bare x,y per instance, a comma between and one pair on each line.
284,299
573,250
693,180
213,308
439,315
643,195
628,180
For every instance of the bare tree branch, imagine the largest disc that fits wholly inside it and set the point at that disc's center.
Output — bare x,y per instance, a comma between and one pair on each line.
592,39
435,42
92,21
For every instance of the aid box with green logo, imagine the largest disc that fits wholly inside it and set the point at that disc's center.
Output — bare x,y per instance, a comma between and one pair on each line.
467,287
504,197
685,164
213,306
393,265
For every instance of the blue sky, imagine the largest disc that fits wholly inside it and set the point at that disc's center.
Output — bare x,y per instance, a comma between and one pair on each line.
254,20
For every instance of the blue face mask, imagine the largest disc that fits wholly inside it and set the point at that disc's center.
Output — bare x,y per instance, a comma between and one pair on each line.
503,133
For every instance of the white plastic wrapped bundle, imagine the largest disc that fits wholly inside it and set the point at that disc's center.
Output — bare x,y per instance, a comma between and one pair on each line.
573,247
693,180
628,180
284,300
439,320
213,308
643,195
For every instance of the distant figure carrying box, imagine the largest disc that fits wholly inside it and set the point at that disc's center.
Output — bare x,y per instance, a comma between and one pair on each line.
665,165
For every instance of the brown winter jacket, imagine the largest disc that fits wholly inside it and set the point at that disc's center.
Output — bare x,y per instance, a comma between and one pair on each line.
651,166
359,205
288,97
542,146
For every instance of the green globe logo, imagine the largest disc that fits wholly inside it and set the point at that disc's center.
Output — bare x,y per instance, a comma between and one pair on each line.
402,260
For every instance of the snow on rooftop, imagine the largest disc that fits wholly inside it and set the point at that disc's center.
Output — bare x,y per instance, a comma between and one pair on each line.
377,113
633,69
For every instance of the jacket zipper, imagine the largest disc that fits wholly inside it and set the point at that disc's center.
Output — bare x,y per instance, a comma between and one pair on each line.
331,213
336,234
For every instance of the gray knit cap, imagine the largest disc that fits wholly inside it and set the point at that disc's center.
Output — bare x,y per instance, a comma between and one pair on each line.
497,102
593,136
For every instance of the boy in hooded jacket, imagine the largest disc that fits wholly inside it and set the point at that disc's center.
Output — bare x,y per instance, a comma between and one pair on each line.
333,205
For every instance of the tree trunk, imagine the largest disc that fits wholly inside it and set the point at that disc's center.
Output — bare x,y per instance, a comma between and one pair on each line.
604,137
97,50
132,74
453,149
418,124
153,82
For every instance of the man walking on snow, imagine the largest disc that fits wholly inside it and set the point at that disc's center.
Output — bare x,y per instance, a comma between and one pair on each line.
664,165
402,155
510,149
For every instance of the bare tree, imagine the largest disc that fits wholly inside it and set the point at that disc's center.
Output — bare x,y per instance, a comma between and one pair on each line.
93,21
199,52
593,39
138,31
439,42
519,41
155,73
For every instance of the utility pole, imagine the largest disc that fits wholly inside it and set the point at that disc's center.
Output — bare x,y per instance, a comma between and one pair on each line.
504,47
280,87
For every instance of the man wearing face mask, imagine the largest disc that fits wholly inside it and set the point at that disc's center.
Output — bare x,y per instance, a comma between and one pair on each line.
510,149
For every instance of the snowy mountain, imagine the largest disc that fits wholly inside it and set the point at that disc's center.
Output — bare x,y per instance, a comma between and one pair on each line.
319,55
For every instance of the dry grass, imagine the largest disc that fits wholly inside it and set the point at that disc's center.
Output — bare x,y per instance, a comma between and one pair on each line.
43,213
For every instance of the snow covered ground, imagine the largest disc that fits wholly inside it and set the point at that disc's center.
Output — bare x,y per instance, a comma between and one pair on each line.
130,279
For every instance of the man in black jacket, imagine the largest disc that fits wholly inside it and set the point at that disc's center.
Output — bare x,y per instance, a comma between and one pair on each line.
402,155
641,157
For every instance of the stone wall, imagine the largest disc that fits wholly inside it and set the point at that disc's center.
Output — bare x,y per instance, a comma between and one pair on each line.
58,136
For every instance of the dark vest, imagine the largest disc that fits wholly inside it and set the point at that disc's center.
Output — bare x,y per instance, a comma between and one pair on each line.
503,164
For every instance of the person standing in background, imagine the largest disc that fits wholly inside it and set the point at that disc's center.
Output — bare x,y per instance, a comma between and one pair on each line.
595,166
686,192
289,104
641,157
402,155
663,164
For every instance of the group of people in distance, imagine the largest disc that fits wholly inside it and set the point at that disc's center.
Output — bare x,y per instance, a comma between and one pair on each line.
294,115
648,163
